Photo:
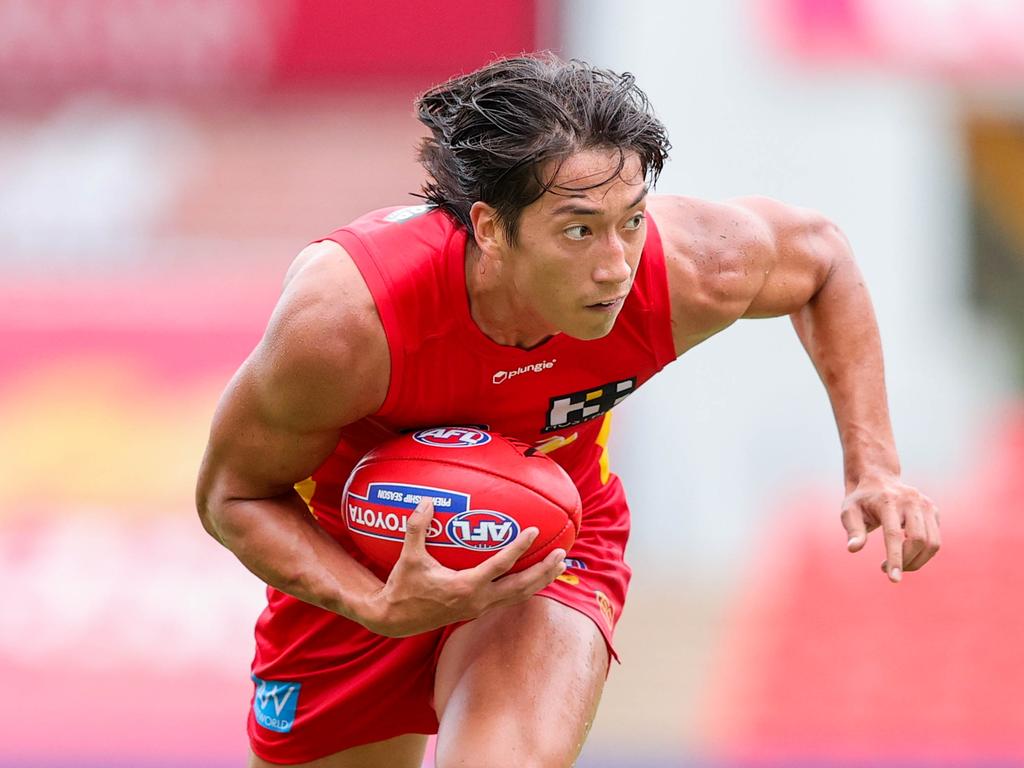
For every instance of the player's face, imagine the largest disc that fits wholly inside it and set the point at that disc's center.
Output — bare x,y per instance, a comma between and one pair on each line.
578,248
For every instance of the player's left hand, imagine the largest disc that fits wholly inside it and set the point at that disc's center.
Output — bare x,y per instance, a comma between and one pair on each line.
909,522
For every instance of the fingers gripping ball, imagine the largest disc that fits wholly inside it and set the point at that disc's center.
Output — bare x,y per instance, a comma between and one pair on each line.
485,488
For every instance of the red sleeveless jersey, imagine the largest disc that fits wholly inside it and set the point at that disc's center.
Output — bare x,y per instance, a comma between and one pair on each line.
445,371
358,687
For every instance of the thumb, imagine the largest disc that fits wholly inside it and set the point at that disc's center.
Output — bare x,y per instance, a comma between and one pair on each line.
856,531
416,527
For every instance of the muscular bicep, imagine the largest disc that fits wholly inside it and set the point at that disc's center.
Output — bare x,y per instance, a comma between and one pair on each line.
800,248
749,257
254,452
323,363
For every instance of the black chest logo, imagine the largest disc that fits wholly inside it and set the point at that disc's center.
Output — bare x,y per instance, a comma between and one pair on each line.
578,407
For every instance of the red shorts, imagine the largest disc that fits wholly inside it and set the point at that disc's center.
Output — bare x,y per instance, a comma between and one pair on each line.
325,684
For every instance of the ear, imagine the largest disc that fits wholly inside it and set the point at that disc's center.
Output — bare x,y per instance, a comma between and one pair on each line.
488,234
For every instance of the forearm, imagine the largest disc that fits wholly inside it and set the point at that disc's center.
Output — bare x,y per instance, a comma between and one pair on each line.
279,542
838,329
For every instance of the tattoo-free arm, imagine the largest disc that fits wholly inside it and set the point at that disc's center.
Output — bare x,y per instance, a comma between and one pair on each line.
755,257
324,363
811,275
321,364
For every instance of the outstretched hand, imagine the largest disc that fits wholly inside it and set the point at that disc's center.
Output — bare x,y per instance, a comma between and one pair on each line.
421,594
909,522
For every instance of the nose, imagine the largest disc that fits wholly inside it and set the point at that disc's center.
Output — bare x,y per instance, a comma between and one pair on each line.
613,265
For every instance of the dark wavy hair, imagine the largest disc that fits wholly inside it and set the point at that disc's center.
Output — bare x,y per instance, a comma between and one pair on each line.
494,130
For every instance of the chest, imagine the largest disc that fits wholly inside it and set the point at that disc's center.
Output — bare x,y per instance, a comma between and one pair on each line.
534,396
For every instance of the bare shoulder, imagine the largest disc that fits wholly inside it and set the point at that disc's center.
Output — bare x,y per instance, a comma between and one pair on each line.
323,363
324,359
721,255
714,253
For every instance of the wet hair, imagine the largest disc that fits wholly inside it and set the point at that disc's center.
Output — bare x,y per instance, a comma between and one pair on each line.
494,131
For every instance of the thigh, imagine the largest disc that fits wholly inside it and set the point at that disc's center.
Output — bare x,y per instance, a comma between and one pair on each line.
519,686
400,752
324,685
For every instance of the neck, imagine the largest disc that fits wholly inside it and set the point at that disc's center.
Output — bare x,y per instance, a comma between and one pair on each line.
495,306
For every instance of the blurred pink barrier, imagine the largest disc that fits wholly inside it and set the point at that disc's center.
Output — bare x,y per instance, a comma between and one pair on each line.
824,660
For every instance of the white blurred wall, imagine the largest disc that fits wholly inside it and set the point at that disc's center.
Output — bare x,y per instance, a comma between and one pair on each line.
710,447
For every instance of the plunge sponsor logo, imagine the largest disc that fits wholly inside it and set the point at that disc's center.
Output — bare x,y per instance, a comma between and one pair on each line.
500,377
275,703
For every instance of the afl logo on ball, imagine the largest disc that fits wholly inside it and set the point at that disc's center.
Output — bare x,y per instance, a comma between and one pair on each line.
452,437
482,529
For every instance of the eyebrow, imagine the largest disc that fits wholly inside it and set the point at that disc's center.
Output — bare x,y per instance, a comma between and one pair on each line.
587,210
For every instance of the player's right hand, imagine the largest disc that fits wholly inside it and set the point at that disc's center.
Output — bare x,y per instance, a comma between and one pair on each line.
421,594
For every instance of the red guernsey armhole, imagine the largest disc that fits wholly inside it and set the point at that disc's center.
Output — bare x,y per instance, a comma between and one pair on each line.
380,290
657,277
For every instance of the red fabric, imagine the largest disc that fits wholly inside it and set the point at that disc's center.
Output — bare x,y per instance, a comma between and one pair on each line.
358,687
443,367
468,469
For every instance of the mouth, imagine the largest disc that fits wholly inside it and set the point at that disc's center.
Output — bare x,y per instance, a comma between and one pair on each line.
607,306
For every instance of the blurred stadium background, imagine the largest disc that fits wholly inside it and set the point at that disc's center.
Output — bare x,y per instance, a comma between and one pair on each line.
162,160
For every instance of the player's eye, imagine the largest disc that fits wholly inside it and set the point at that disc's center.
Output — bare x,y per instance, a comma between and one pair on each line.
578,232
636,222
